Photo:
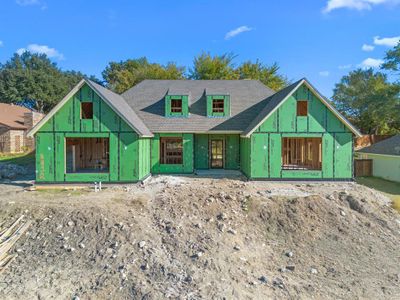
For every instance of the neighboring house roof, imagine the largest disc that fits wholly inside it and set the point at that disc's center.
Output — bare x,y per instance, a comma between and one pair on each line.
390,146
117,103
12,116
247,99
276,100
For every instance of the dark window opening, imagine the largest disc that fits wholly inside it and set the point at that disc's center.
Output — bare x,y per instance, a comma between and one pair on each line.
218,106
176,105
87,110
171,151
87,155
302,153
302,108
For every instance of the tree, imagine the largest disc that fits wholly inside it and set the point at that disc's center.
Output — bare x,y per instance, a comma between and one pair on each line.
222,67
33,78
121,76
370,101
266,74
218,67
392,60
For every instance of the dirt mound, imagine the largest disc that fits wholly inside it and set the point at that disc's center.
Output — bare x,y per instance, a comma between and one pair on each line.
202,238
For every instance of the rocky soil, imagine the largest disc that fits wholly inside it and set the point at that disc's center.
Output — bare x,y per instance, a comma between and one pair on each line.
202,238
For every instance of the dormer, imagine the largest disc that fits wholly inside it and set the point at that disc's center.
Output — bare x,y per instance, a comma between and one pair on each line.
177,104
218,104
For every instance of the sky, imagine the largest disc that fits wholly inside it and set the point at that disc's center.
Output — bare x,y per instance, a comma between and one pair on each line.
320,40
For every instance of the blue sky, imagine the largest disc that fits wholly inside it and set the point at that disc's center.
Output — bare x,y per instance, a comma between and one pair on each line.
320,40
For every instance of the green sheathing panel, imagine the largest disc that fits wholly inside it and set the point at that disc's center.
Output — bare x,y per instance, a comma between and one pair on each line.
275,155
259,155
201,151
186,167
227,106
185,105
343,158
45,157
266,148
129,154
245,156
232,152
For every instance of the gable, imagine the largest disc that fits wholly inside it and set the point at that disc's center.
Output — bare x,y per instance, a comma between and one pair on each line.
280,113
68,117
110,113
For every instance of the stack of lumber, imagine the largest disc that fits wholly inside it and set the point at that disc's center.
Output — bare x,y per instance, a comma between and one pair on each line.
8,237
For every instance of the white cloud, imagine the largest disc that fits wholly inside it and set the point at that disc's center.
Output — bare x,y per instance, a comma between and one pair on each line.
27,2
389,41
371,63
237,31
367,48
355,4
42,49
324,73
343,67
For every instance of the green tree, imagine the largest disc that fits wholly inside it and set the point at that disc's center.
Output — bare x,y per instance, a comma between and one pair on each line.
121,76
266,74
210,67
370,101
34,78
392,60
222,67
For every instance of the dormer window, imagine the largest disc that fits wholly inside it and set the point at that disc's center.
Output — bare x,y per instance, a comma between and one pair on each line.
86,110
218,106
176,105
302,108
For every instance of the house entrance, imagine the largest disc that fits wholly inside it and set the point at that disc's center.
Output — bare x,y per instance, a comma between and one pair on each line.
216,154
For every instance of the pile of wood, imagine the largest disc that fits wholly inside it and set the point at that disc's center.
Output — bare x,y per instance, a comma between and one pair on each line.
8,237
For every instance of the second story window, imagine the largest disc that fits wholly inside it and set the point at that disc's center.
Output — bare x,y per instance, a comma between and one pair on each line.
302,108
86,110
218,105
176,105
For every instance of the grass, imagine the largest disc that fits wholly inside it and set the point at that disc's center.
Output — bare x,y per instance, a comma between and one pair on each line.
390,188
22,159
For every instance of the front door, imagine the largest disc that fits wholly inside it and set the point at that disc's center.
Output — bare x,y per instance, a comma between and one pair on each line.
217,154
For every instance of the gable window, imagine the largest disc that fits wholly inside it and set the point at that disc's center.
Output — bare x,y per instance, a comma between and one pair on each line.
171,151
218,106
86,110
302,108
176,105
301,153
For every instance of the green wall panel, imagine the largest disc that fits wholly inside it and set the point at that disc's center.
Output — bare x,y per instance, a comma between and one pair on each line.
232,151
300,174
201,151
59,156
187,153
275,155
327,155
114,157
343,155
44,157
287,115
259,155
128,157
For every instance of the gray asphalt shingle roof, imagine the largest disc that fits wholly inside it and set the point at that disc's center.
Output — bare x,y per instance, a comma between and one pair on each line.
390,146
247,99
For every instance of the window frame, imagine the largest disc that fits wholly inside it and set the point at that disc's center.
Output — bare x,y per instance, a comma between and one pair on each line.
175,157
218,110
302,108
298,153
84,111
175,110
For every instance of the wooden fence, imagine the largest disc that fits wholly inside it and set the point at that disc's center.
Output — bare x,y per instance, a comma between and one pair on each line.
363,167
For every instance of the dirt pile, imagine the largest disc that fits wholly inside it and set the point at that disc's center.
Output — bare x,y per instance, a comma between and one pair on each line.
192,238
